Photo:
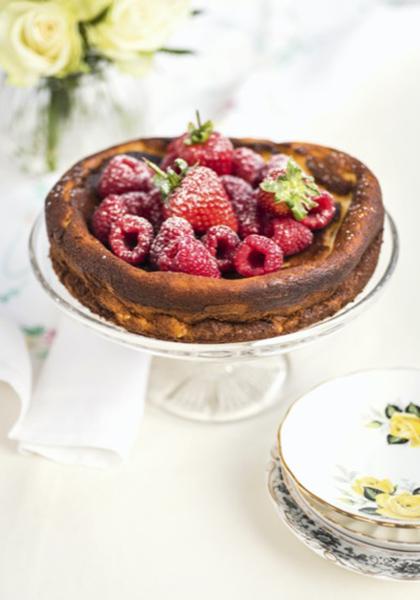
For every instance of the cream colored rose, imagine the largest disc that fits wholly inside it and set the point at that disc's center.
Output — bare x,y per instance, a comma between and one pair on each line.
402,506
86,10
405,425
133,29
379,484
38,39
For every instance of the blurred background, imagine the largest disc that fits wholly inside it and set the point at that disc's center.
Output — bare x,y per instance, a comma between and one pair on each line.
344,74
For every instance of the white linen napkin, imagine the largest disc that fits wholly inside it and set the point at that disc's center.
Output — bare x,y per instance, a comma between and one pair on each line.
88,401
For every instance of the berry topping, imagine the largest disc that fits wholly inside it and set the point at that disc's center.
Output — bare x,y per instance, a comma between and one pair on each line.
193,258
124,173
163,249
195,194
277,161
130,238
203,146
289,190
221,242
322,214
109,210
247,164
257,255
168,161
291,235
244,204
145,204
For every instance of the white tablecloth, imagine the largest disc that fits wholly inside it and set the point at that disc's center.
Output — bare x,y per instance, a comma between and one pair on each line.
188,515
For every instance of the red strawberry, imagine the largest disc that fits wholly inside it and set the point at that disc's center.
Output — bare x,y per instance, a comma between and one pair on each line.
124,173
163,249
288,191
244,203
195,194
257,255
221,242
203,146
291,235
322,214
247,164
130,238
193,258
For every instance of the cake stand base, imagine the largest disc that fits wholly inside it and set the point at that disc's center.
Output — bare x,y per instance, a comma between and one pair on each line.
217,391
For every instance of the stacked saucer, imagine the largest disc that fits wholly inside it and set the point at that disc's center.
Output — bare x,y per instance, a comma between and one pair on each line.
345,474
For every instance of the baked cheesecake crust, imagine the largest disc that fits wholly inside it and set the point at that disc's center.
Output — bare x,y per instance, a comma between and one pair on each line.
175,306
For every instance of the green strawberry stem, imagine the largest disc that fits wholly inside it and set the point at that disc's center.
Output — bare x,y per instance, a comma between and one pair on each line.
167,181
295,188
198,133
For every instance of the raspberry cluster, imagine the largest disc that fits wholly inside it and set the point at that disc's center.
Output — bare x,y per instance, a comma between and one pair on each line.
210,209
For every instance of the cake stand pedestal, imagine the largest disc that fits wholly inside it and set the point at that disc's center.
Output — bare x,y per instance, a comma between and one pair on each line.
217,391
214,382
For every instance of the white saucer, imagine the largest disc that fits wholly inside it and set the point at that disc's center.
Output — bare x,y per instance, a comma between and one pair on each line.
342,550
354,444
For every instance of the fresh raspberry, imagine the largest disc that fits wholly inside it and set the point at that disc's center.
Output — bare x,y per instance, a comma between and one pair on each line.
193,258
203,146
288,191
145,204
124,173
277,161
109,210
322,214
130,238
244,203
168,160
221,242
292,237
163,250
257,255
247,164
197,195
263,219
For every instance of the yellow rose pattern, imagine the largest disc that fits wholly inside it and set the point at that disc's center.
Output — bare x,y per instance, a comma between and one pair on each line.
402,424
383,498
400,506
379,484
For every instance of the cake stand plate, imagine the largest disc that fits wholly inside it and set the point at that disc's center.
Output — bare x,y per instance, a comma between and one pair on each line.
213,382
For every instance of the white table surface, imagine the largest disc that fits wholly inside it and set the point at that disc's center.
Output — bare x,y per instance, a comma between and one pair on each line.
189,516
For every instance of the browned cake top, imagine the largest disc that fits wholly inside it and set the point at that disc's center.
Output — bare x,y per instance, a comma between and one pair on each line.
325,265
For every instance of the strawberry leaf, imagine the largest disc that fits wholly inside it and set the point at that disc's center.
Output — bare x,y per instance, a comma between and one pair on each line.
295,188
167,181
198,133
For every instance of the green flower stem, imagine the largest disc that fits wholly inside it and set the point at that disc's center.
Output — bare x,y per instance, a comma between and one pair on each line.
58,110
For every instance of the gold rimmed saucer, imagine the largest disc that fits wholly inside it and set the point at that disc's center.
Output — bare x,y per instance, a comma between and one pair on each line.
352,552
397,538
365,469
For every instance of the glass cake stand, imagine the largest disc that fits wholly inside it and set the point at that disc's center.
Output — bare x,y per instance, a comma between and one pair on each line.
213,382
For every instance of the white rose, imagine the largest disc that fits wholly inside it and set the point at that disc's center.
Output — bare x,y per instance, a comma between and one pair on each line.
38,39
86,10
134,28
